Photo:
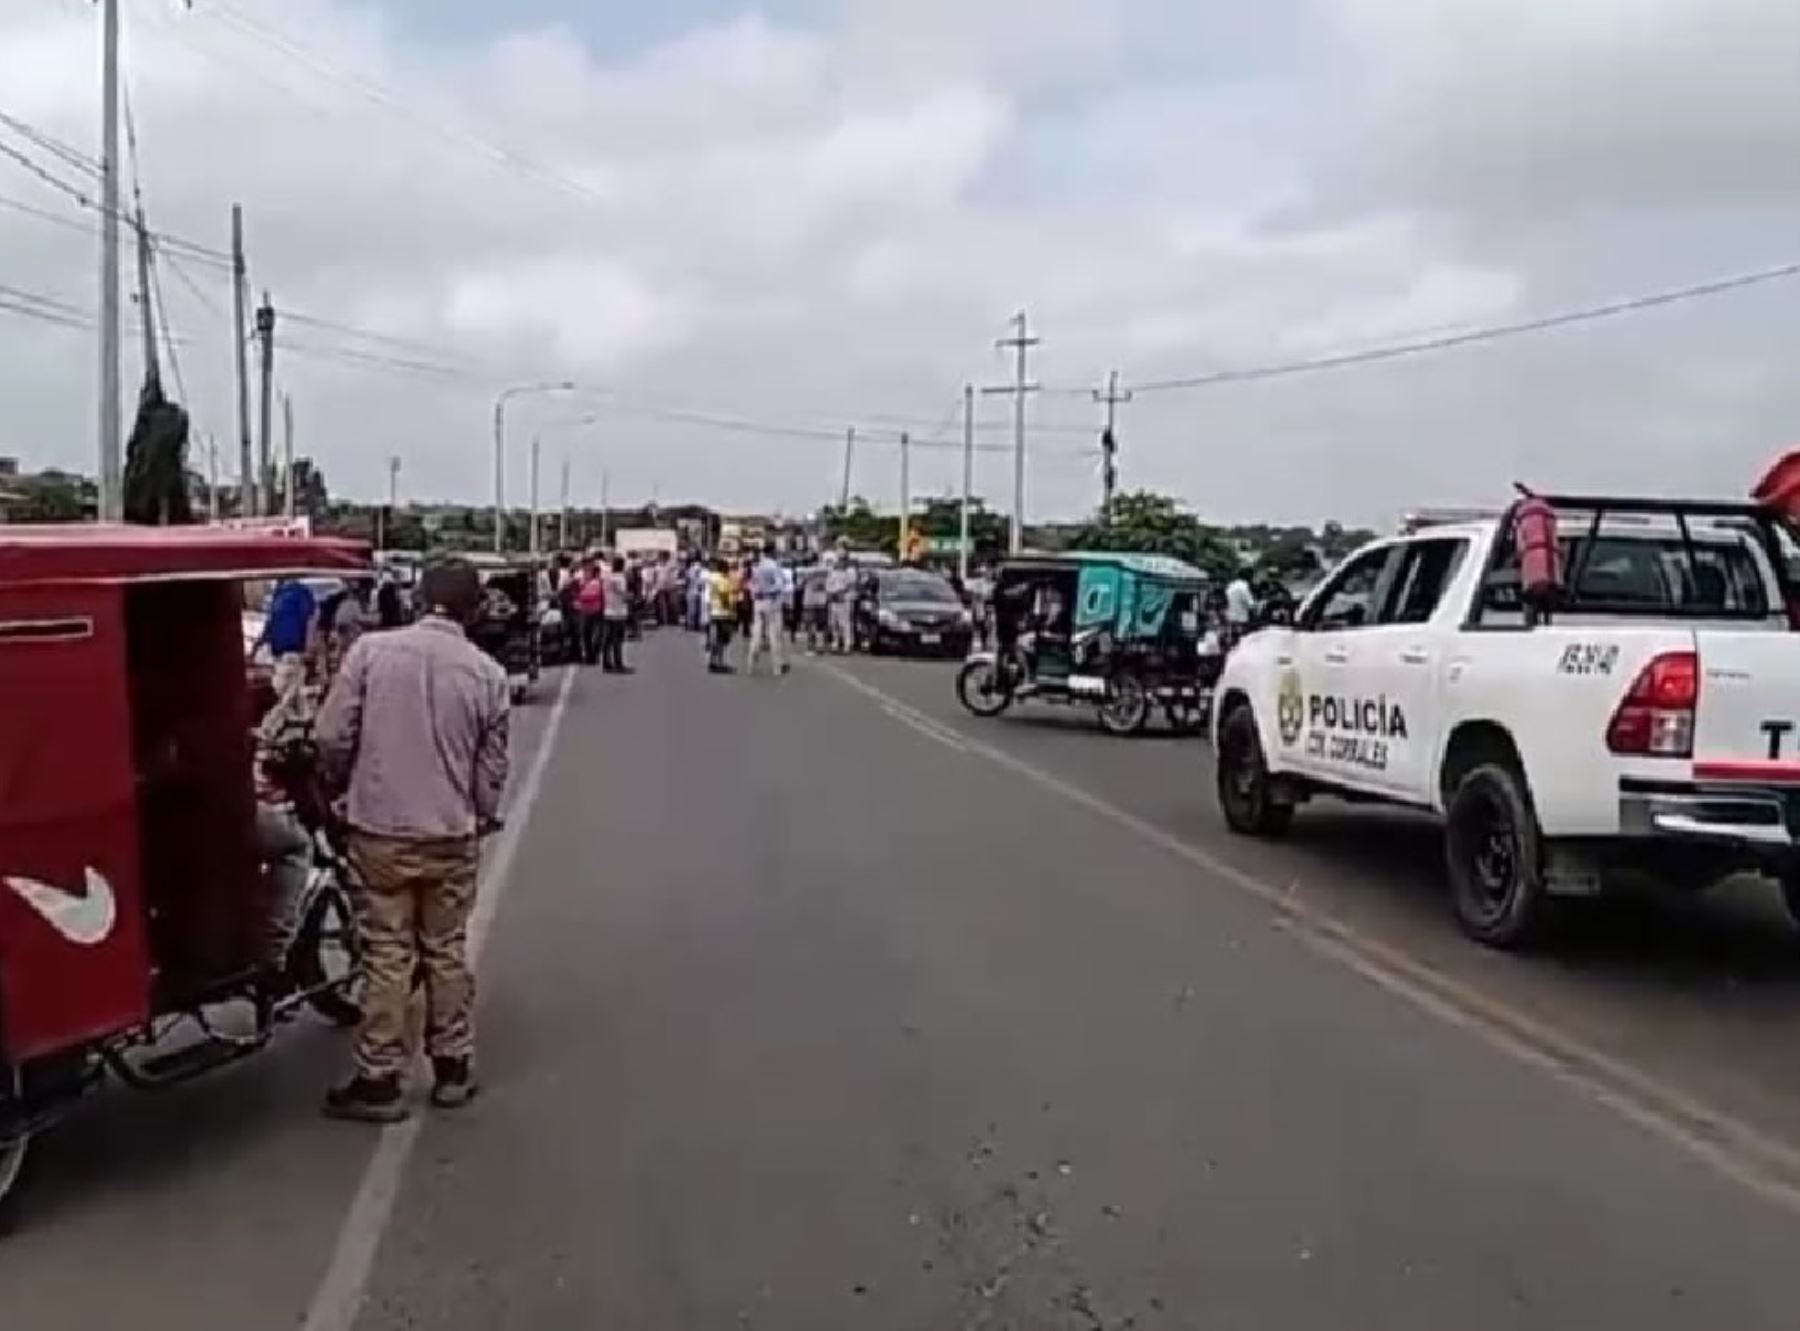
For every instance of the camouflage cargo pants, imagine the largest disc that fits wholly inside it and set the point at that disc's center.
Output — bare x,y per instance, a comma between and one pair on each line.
414,915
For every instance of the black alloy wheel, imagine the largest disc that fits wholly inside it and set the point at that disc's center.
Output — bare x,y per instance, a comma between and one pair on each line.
1494,855
1246,789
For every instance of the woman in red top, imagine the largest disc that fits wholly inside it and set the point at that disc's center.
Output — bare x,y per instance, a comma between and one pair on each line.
590,610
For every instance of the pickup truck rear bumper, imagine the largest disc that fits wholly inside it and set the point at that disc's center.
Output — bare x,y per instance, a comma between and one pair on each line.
1758,821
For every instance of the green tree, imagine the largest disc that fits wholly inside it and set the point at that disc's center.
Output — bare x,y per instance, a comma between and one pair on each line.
860,526
53,496
1145,522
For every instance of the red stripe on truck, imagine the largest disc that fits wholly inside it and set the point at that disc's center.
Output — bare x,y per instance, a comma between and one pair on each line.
1748,771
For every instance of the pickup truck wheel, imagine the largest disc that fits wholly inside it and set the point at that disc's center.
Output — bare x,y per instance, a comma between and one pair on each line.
1494,853
1246,790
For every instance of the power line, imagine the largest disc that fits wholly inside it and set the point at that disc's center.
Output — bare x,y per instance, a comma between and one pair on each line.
45,315
1470,337
48,302
48,177
194,287
58,219
495,153
192,249
55,147
369,335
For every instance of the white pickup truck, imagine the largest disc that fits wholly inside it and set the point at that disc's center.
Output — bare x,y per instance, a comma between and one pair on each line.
1650,719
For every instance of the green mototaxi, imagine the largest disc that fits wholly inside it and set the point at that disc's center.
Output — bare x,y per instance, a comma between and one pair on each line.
1122,632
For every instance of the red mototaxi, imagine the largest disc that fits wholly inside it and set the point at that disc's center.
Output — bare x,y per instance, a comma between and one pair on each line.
130,884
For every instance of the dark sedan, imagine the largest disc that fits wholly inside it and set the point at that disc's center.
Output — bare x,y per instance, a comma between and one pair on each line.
912,611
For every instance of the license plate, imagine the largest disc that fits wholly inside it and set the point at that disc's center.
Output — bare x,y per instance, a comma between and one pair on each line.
930,639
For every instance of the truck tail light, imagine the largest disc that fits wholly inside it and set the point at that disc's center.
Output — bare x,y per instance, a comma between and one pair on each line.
1656,717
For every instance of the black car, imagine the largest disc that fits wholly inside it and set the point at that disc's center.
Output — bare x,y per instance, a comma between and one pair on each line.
911,610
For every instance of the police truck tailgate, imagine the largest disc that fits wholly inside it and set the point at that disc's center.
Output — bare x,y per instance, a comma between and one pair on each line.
1747,724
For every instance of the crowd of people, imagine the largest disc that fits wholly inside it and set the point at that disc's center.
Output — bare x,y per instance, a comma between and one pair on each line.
763,606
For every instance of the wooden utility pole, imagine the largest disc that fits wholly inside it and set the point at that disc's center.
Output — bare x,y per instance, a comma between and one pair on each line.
265,333
287,454
849,460
905,495
151,368
1109,444
246,469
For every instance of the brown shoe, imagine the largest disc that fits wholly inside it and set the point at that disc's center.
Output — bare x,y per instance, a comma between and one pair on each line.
368,1100
454,1083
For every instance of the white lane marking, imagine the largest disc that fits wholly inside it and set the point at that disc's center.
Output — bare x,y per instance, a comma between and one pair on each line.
924,725
339,1297
1765,1164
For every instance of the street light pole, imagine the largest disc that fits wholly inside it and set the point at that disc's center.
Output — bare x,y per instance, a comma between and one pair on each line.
962,549
537,444
905,494
506,395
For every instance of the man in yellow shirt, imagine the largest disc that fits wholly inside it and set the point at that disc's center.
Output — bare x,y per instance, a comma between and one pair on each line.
721,612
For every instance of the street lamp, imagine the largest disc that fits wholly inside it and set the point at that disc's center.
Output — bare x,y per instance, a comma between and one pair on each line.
577,423
506,395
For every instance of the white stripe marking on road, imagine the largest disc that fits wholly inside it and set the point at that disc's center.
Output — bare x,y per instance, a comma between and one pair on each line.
925,726
339,1297
1764,1164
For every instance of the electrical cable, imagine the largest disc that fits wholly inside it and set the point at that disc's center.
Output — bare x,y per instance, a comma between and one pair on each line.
55,147
1469,337
495,153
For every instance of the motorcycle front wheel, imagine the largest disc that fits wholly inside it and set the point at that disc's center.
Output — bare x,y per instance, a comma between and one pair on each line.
981,686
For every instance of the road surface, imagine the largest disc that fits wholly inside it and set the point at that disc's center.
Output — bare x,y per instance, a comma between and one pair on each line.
810,1003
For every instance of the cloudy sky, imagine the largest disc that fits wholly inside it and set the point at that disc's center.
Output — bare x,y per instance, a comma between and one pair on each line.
810,213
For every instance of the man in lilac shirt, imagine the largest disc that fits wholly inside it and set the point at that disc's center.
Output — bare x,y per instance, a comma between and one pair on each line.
417,719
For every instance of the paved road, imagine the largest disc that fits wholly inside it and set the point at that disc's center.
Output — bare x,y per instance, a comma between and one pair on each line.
802,1010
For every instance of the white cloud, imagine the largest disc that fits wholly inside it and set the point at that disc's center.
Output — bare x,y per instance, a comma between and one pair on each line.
817,223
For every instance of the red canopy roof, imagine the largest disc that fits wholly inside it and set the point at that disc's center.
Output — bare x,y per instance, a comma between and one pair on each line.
75,552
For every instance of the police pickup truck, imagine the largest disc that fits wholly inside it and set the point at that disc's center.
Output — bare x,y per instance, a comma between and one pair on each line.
1645,715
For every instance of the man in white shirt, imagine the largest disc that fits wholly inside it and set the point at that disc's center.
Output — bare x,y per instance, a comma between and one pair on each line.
1240,602
771,588
840,599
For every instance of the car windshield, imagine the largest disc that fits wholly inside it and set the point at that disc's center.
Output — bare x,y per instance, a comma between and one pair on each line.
916,587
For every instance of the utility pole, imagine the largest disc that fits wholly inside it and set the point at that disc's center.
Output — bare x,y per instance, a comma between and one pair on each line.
151,368
265,333
112,487
962,549
562,522
212,478
905,495
287,455
603,512
1021,341
1109,445
246,473
385,536
849,456
536,450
